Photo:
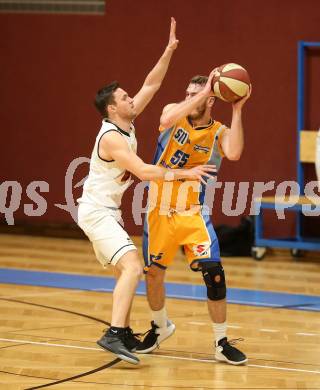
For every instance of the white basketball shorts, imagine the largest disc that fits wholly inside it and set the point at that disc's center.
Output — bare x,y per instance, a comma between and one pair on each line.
102,226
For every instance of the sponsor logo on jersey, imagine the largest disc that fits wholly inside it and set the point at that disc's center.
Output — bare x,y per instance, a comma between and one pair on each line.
201,249
201,149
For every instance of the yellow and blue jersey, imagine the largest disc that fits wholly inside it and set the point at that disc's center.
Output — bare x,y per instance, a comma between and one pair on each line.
183,146
175,216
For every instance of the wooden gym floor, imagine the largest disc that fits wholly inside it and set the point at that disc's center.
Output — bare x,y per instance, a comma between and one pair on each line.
48,334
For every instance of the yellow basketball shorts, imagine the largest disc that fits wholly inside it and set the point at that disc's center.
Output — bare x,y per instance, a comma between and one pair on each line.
164,234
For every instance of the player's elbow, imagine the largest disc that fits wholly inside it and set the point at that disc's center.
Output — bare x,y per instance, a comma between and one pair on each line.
151,88
156,87
233,156
233,153
166,121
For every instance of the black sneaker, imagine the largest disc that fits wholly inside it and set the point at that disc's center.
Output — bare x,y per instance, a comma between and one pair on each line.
131,340
225,352
115,343
155,336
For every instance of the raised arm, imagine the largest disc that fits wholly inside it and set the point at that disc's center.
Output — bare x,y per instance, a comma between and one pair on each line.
232,141
173,112
113,146
154,79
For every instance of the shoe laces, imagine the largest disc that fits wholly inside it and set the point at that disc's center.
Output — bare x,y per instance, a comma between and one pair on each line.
129,333
152,330
234,341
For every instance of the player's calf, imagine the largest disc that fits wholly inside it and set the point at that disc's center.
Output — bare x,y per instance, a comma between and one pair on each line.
214,278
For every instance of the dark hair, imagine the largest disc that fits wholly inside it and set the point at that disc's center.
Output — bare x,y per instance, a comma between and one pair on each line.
201,80
104,97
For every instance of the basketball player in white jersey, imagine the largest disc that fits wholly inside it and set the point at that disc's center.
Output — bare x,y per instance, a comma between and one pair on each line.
112,160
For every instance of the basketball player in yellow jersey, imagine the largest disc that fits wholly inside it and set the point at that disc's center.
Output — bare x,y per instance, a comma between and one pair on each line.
189,136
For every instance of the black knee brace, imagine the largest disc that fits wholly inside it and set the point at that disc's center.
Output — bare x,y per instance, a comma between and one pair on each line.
213,276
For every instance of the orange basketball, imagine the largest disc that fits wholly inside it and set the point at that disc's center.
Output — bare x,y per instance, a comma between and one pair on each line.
231,83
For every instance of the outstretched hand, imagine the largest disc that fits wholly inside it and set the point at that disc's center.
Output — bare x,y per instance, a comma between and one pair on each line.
201,171
173,42
239,103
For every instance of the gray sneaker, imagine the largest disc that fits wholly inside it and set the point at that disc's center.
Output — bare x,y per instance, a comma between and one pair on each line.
115,343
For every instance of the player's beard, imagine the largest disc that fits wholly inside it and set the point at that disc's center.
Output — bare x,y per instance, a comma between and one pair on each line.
198,113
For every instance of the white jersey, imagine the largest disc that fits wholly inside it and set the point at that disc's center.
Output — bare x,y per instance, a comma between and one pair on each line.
107,181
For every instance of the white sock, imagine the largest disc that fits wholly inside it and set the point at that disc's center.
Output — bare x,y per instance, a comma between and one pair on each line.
220,331
160,317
